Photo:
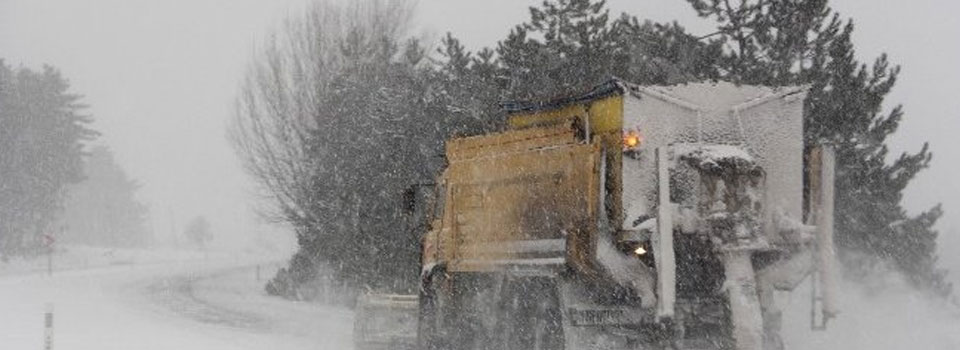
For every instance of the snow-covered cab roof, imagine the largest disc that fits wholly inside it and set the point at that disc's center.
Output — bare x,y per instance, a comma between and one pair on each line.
764,122
720,122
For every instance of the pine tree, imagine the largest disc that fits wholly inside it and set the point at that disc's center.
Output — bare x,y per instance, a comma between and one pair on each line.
568,45
798,42
103,209
42,135
565,47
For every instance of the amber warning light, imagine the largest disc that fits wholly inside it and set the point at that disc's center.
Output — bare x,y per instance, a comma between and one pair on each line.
631,140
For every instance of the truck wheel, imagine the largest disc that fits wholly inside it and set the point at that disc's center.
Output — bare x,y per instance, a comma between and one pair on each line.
429,328
746,319
531,317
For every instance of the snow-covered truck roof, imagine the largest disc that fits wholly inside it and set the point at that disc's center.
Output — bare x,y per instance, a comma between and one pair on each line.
764,123
747,124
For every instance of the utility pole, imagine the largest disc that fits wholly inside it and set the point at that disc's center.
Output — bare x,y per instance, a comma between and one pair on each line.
173,226
48,241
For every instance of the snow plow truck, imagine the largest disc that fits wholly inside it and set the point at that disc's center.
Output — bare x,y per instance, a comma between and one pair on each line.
630,217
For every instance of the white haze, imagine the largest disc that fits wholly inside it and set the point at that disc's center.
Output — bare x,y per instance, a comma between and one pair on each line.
160,77
884,315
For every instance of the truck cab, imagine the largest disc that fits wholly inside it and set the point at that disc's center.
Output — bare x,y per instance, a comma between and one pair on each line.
629,217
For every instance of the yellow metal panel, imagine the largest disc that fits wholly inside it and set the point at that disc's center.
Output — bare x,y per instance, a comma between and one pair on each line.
606,127
520,185
508,142
547,117
606,115
531,182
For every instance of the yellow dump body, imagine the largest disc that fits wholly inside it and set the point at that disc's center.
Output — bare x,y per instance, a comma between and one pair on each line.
521,197
602,116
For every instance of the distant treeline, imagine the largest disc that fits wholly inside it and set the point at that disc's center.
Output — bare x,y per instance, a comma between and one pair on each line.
44,136
102,209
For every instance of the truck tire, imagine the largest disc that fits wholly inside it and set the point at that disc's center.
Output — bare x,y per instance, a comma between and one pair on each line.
429,328
531,310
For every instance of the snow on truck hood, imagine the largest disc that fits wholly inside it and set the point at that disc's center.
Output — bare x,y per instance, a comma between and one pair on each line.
713,124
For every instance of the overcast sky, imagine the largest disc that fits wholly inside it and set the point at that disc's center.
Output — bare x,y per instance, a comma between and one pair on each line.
161,75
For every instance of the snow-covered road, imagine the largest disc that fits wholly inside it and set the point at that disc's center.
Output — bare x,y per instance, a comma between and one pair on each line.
219,304
209,305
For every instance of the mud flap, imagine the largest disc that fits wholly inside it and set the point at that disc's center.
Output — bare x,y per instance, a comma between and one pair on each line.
822,175
663,241
745,313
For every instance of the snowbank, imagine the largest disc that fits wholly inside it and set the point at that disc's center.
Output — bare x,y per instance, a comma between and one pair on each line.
884,314
74,257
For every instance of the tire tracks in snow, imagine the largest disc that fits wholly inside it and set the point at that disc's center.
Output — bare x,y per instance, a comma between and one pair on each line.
179,295
228,296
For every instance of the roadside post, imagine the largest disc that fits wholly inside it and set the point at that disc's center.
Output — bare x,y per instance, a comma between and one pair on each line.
48,241
48,327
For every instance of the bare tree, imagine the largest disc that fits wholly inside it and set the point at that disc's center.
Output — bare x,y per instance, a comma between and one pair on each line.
281,103
303,121
198,232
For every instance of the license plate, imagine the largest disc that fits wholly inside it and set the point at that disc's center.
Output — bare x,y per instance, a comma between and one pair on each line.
600,317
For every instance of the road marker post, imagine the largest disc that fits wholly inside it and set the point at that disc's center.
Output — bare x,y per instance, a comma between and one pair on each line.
48,241
48,327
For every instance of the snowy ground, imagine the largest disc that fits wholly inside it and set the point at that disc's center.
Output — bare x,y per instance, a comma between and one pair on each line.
213,303
74,257
185,300
885,315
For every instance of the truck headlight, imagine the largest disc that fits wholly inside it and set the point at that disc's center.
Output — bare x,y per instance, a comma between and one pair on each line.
640,250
